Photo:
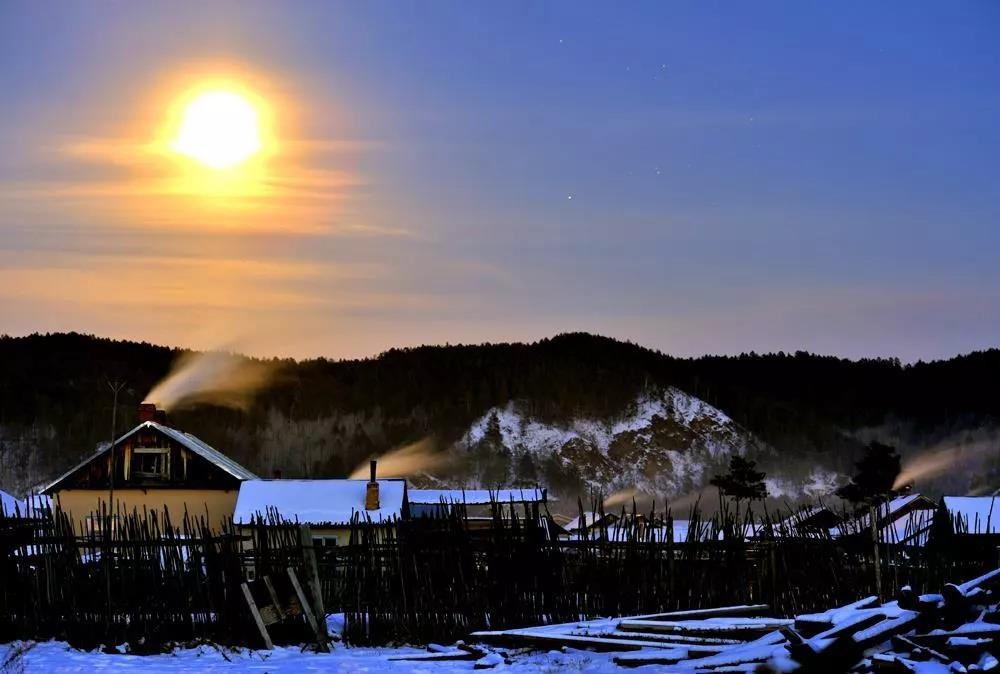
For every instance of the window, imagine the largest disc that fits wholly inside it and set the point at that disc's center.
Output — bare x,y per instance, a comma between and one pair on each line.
325,541
151,462
95,524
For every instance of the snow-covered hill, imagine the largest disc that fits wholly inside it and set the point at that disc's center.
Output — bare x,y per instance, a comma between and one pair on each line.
668,444
665,443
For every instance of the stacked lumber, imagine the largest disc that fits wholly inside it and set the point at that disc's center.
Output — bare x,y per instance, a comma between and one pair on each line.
956,630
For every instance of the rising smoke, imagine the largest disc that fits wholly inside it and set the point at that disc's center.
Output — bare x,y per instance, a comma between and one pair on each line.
943,457
420,456
623,496
213,377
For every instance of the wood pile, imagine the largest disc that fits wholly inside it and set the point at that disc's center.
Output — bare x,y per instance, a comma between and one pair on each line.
954,631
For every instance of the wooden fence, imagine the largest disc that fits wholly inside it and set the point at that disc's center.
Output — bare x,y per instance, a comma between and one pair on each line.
154,581
438,579
150,583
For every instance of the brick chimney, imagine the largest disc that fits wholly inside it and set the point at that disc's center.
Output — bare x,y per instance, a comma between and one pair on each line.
147,412
371,490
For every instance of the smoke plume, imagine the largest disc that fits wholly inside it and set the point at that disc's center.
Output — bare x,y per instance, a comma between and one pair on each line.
417,457
213,377
623,496
939,459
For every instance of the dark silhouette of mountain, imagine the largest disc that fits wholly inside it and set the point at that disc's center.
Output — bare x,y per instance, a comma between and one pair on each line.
323,417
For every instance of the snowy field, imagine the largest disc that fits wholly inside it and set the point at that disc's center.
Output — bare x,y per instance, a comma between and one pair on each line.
58,657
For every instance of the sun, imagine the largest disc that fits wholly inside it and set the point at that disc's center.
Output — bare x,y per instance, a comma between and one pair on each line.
219,128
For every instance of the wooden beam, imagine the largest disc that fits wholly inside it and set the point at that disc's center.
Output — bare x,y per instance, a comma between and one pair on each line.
268,644
322,638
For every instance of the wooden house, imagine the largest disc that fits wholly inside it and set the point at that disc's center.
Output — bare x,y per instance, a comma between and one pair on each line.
588,522
327,506
478,506
904,519
153,467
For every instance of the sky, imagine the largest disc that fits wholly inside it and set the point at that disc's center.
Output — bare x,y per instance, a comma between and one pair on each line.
696,177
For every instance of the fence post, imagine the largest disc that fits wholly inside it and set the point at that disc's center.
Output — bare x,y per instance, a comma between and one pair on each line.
312,577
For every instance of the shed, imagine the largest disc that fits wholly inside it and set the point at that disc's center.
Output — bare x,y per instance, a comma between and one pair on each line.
328,506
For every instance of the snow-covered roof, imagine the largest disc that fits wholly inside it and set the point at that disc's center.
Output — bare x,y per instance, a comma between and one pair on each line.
9,505
475,496
320,502
187,440
894,509
38,504
587,520
809,518
978,514
910,529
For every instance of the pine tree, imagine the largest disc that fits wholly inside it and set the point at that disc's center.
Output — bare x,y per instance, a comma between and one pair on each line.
876,475
743,482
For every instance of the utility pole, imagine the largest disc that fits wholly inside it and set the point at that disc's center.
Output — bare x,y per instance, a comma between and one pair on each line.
116,386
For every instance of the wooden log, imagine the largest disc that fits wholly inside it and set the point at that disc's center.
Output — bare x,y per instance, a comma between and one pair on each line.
986,581
940,638
901,643
814,623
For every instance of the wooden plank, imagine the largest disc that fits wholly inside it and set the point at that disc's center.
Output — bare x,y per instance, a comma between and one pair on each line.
312,578
450,656
940,638
849,626
679,639
322,639
552,639
274,595
643,659
750,629
740,611
886,629
268,644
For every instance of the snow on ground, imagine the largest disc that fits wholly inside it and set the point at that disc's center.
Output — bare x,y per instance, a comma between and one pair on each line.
58,658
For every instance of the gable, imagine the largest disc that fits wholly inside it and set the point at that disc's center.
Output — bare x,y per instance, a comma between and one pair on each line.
153,455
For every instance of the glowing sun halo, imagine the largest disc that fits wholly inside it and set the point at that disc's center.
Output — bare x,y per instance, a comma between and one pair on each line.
220,129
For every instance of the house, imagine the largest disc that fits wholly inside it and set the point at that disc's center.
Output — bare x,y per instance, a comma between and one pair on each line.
429,502
154,467
977,516
479,506
809,521
905,519
588,521
10,506
327,506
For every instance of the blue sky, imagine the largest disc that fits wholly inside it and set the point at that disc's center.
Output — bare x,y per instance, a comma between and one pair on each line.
697,177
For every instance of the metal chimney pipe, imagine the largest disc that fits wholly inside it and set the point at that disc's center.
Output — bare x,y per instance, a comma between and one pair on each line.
372,466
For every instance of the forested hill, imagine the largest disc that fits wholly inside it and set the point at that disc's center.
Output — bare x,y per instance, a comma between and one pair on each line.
322,418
